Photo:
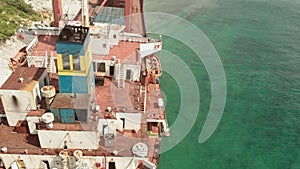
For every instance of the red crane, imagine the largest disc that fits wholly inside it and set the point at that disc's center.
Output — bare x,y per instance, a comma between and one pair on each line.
57,11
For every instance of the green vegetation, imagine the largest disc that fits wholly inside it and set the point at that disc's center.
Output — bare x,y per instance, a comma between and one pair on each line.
14,14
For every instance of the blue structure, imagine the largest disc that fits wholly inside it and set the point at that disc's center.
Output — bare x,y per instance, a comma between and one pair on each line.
67,108
75,75
112,15
74,59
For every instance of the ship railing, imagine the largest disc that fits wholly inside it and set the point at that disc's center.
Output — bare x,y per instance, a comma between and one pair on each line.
131,62
40,31
138,39
32,44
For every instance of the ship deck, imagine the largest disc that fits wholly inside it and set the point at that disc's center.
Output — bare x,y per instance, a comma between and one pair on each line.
19,141
123,51
24,143
46,45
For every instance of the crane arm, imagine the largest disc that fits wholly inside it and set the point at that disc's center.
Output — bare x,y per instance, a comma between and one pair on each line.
99,9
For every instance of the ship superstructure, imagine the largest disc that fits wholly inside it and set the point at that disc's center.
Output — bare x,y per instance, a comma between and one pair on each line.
88,97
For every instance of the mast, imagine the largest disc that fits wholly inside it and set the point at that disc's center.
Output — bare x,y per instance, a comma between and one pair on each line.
57,11
134,17
85,13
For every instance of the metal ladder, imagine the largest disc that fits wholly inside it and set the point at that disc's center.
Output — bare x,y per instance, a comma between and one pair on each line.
121,75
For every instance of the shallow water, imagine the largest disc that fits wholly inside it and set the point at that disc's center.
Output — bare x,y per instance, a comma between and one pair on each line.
258,42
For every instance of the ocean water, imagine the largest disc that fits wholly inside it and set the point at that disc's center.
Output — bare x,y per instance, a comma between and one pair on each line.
258,42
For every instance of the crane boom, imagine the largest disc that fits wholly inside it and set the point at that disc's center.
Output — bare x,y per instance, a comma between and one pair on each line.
99,9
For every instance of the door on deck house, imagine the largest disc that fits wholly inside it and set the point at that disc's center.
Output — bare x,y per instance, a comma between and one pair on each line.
67,115
128,74
81,115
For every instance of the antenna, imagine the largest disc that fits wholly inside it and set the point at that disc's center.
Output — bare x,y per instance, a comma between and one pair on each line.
67,10
66,13
85,13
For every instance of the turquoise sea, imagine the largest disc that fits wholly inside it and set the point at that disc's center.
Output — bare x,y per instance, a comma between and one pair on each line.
258,42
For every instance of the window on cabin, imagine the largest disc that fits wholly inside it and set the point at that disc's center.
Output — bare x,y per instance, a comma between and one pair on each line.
66,60
76,60
111,164
46,163
101,67
94,66
56,67
114,36
14,100
104,45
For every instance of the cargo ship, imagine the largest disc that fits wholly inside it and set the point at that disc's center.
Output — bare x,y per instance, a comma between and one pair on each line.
85,94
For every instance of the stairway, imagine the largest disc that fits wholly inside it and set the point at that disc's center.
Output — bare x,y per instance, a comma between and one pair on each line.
121,75
142,98
49,63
